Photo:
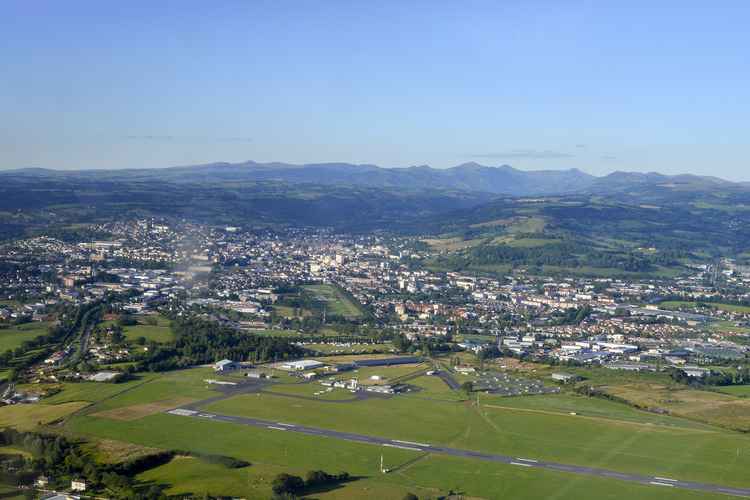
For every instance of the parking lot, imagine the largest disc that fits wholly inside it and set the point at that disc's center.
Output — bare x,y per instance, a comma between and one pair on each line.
503,384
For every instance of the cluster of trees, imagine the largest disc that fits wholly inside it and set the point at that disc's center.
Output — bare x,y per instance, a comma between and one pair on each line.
287,485
71,319
426,346
201,341
560,253
553,254
61,460
712,378
573,316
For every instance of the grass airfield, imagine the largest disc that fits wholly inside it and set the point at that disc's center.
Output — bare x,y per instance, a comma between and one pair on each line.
121,419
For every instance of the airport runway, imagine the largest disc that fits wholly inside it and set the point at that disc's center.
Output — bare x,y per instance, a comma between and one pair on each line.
526,462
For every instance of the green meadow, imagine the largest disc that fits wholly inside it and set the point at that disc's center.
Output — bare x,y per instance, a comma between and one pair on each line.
675,304
336,301
615,443
603,434
271,452
13,336
160,332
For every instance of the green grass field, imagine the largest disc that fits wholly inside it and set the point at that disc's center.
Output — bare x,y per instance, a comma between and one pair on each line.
336,302
271,452
730,327
604,434
312,390
30,417
742,391
675,304
588,408
615,443
349,349
434,387
160,332
277,333
10,492
14,336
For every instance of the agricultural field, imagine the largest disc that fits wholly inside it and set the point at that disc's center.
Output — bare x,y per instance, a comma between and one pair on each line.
710,407
26,417
452,244
336,301
15,335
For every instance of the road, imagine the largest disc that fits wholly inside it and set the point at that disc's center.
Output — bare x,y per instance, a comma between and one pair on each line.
525,462
448,379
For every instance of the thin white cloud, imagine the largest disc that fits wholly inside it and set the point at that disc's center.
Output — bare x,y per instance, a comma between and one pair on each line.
534,154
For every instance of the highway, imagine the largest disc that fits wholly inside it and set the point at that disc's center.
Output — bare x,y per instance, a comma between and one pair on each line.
526,462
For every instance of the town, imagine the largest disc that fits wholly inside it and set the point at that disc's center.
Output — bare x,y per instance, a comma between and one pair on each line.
314,315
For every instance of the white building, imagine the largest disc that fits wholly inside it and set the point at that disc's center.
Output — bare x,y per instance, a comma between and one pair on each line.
225,365
302,365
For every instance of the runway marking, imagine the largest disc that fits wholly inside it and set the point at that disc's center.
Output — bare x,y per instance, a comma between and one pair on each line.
657,483
411,443
400,447
426,448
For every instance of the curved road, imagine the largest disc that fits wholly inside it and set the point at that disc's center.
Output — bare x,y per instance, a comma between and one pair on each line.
423,447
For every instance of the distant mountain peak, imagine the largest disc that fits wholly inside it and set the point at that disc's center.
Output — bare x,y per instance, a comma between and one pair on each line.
467,177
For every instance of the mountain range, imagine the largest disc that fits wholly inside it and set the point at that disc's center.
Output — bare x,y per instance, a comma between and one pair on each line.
466,199
468,177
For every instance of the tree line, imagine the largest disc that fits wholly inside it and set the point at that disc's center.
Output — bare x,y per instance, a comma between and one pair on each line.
201,341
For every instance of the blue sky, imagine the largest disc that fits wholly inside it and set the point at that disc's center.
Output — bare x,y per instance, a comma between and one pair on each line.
600,86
